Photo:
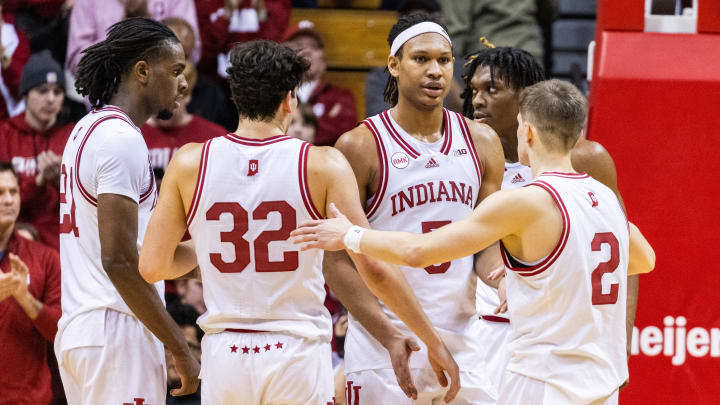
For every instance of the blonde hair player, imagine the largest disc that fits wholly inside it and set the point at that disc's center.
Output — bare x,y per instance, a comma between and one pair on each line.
567,249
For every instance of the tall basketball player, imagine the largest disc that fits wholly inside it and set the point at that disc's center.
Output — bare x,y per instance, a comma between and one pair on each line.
105,345
493,82
567,249
418,167
240,195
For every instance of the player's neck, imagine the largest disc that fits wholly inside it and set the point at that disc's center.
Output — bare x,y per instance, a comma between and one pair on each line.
421,124
134,107
550,162
5,233
254,129
509,143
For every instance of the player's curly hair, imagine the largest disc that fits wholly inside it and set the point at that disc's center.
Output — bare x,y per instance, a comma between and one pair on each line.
403,23
104,64
517,68
260,75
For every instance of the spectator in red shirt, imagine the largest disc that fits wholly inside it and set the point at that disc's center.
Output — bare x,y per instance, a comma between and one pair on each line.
163,138
34,143
14,54
333,106
29,304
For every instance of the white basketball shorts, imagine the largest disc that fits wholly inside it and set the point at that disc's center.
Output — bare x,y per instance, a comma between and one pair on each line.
265,368
127,367
517,389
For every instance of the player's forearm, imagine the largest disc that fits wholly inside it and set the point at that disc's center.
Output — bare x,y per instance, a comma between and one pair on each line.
143,300
633,288
349,288
153,268
487,262
390,286
403,248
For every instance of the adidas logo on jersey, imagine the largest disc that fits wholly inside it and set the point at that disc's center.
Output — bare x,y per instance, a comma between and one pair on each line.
518,179
431,163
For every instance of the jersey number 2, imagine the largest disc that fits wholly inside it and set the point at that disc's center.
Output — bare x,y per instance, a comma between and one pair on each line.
260,245
598,297
67,221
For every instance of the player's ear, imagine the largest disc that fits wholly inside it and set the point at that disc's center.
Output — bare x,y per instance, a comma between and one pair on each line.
141,70
286,105
393,65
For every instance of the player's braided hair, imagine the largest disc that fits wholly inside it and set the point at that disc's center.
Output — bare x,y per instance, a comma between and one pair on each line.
104,64
260,75
517,68
403,23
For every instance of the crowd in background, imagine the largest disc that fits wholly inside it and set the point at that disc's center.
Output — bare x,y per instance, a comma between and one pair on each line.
41,43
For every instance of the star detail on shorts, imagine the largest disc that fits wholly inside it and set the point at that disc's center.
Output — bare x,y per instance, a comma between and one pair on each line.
267,348
278,345
246,350
256,349
233,348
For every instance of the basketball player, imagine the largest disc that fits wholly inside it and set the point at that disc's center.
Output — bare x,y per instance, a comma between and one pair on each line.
105,345
493,82
418,167
567,248
240,195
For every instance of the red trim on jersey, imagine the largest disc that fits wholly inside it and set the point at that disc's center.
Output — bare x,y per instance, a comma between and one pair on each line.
256,142
549,259
396,136
582,175
245,330
493,318
304,187
199,183
150,189
384,173
117,110
448,133
471,145
92,200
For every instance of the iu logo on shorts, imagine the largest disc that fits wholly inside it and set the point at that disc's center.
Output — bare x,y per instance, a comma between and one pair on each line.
252,167
137,401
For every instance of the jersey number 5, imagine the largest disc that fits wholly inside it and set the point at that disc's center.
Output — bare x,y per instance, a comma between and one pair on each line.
429,226
260,244
598,297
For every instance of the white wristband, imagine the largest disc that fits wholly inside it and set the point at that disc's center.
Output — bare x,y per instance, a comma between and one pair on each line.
353,237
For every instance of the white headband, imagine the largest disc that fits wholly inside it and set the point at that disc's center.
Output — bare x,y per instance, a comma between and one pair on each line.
415,30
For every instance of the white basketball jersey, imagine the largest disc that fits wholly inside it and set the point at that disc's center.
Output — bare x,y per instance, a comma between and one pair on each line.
568,309
250,195
516,175
424,186
105,153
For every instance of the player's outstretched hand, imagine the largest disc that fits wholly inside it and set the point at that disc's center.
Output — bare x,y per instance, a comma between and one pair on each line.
400,350
327,234
189,370
444,365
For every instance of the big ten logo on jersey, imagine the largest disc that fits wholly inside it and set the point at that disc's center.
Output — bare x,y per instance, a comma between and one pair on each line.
136,401
241,220
460,152
352,392
252,167
431,192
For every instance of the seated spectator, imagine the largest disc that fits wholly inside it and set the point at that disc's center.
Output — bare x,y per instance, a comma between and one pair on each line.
34,143
29,304
186,318
164,137
14,54
303,124
90,20
191,293
333,106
